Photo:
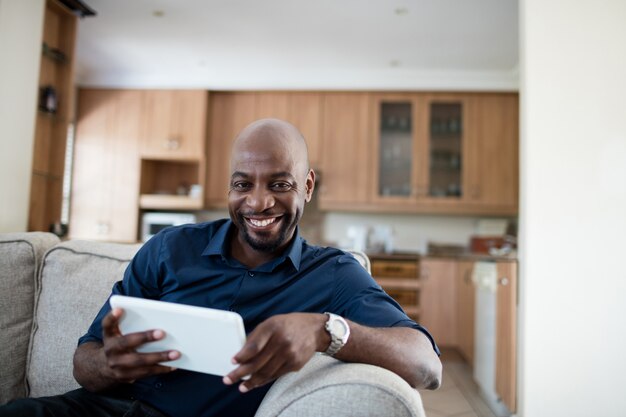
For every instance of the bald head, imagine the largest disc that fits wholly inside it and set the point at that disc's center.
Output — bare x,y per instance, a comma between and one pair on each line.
272,134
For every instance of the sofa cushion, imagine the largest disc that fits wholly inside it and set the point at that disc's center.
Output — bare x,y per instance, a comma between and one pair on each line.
328,387
76,279
20,254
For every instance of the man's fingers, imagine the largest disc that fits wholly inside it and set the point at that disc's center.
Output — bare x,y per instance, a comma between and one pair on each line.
110,322
132,341
254,345
267,373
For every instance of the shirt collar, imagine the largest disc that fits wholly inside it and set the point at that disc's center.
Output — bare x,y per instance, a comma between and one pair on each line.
218,242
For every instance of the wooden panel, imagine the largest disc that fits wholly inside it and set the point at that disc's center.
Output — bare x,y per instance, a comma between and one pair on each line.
506,334
229,113
466,299
492,159
273,105
305,112
105,191
38,201
438,309
345,172
175,124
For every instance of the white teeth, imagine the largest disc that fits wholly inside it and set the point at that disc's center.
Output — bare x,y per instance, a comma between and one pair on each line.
262,223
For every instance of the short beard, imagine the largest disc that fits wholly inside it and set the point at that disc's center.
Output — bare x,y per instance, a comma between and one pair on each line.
266,246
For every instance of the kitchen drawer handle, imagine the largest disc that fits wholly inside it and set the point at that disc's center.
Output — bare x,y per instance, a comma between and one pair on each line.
503,281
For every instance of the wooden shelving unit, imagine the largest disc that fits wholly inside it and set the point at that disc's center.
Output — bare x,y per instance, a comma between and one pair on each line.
56,72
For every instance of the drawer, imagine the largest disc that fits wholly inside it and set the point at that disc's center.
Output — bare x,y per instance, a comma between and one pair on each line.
394,269
404,298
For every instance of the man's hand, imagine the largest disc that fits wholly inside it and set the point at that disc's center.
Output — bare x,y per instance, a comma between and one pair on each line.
279,345
101,366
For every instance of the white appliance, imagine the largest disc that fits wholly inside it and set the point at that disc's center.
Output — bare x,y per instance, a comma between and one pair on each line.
153,222
485,277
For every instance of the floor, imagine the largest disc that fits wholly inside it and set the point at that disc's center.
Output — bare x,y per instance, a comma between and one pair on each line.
458,395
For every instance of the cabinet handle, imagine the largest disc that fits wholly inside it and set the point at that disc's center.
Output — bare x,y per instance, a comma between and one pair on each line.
467,278
424,273
504,281
172,144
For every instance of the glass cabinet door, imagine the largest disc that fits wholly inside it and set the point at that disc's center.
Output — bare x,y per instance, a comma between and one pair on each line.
395,149
445,144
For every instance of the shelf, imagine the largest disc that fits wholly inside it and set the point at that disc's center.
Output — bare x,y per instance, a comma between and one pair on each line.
169,202
53,54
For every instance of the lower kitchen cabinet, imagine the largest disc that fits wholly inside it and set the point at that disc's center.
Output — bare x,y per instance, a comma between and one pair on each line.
506,334
466,298
105,186
438,299
398,275
447,309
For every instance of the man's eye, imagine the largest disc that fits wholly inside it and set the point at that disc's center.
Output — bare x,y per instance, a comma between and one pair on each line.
240,186
281,186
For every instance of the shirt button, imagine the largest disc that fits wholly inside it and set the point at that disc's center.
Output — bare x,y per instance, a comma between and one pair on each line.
251,273
158,385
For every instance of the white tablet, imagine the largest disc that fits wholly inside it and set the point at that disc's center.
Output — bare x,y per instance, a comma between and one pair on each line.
206,338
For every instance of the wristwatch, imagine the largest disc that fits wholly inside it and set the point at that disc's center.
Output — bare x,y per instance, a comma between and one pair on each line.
339,332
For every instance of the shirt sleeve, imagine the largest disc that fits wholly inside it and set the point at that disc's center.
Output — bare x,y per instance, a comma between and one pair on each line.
358,297
141,279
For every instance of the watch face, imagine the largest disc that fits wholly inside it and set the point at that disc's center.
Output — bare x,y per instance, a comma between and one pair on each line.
338,328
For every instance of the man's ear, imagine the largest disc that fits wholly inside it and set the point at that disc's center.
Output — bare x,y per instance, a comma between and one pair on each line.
309,185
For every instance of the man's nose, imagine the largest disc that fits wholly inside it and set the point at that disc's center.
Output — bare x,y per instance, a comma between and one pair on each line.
260,199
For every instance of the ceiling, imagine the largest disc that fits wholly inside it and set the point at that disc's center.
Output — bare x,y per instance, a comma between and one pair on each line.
298,44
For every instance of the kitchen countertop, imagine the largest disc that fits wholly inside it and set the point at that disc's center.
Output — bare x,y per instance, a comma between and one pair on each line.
471,256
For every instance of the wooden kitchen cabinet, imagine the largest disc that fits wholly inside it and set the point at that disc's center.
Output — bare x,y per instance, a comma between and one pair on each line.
418,149
466,297
345,169
438,299
302,109
492,175
444,153
398,275
228,114
105,189
174,124
506,334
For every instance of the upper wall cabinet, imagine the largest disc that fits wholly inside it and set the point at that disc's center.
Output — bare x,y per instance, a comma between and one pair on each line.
444,153
492,176
175,124
230,112
345,173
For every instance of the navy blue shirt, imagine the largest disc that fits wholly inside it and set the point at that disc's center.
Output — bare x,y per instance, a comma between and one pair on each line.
192,265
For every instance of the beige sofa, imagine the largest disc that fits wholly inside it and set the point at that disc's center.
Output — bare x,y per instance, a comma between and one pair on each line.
51,291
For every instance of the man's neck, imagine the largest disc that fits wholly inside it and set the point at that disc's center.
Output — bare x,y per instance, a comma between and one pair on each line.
241,251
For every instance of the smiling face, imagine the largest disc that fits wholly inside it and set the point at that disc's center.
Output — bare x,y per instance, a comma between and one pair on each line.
270,183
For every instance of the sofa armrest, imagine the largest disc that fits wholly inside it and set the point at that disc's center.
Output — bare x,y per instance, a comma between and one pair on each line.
328,387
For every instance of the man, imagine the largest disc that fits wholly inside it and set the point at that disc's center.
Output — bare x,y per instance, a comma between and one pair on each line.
255,264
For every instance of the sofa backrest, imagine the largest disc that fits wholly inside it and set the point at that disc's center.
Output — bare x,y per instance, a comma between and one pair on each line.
76,278
20,256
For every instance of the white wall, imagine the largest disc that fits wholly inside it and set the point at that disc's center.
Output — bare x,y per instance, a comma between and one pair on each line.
573,208
21,26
